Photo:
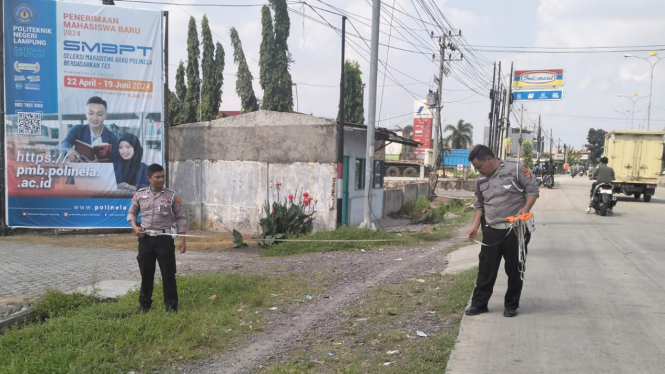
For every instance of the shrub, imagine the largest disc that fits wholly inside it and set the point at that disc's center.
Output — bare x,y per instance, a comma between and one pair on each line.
57,304
421,204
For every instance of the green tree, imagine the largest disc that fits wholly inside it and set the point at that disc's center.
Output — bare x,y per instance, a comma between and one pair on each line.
266,57
244,89
275,59
461,136
191,103
596,142
527,154
177,115
208,84
218,78
354,111
283,83
108,2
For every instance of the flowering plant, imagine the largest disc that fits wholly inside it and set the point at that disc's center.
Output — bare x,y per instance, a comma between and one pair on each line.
292,216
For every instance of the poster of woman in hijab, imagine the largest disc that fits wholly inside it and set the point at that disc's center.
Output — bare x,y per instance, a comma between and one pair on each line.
130,172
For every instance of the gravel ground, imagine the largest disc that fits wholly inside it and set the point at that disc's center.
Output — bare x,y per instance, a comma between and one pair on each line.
351,276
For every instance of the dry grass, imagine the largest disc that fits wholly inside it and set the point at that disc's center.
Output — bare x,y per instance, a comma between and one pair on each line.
211,242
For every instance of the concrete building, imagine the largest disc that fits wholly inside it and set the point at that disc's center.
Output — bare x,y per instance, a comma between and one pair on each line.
527,136
227,169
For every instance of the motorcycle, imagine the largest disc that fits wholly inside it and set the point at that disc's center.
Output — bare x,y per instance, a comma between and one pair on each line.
548,181
539,179
572,173
581,172
603,200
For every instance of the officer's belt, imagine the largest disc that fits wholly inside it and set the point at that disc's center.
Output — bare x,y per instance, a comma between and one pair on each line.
501,226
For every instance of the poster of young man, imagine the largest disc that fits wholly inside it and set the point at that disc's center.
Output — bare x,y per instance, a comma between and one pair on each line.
84,99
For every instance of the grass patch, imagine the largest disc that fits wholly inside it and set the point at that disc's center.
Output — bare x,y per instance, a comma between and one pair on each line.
127,241
437,233
115,338
388,321
422,203
56,304
343,233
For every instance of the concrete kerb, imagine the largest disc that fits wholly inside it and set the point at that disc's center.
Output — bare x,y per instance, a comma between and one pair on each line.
17,319
107,290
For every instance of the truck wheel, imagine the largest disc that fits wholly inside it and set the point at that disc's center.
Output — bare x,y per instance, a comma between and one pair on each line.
603,209
647,198
392,171
637,196
410,170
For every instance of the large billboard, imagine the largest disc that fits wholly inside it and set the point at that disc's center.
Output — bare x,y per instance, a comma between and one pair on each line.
84,111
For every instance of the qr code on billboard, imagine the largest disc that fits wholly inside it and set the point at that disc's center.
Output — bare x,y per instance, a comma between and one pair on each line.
29,123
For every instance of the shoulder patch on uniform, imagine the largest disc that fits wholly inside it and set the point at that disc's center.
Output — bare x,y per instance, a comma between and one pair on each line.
177,198
525,170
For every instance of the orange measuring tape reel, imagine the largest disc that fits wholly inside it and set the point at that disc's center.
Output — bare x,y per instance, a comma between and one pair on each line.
521,217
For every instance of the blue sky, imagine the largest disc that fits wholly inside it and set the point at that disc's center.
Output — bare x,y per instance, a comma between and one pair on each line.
592,80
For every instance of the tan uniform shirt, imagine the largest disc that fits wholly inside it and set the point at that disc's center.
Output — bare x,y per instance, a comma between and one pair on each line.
504,193
158,210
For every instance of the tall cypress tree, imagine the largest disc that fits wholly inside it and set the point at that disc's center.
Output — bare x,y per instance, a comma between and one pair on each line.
266,58
191,103
218,79
283,100
177,99
244,77
207,72
354,111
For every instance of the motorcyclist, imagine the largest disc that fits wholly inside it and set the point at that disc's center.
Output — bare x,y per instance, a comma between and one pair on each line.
549,170
537,170
602,174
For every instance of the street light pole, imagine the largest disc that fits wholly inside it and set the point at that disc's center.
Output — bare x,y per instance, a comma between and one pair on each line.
632,98
625,114
653,65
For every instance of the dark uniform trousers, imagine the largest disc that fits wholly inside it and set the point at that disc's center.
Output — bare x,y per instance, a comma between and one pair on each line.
490,260
162,249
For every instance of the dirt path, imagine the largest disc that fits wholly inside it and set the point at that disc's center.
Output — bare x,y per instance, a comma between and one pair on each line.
351,276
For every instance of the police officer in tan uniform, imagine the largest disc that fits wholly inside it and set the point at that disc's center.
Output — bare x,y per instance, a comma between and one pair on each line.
159,208
503,189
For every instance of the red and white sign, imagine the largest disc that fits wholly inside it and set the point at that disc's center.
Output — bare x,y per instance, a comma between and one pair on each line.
422,132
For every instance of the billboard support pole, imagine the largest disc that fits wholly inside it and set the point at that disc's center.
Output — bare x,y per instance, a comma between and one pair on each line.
3,205
166,119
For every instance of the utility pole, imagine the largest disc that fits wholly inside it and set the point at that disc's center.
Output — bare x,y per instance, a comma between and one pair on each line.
540,142
491,114
506,113
439,106
551,142
339,188
519,148
373,72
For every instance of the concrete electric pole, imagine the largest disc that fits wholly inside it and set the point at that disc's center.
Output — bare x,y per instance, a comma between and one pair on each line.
371,120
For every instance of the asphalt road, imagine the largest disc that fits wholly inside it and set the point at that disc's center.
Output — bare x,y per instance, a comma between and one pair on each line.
594,293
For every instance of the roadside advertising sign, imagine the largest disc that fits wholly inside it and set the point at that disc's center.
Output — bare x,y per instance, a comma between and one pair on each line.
538,78
421,109
84,111
538,95
422,132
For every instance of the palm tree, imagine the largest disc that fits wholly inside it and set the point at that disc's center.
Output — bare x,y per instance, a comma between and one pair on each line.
461,136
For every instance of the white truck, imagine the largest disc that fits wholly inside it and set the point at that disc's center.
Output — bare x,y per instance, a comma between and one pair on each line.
636,157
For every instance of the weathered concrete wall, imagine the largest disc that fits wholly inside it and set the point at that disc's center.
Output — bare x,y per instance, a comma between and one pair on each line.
234,192
393,200
424,190
261,136
410,193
